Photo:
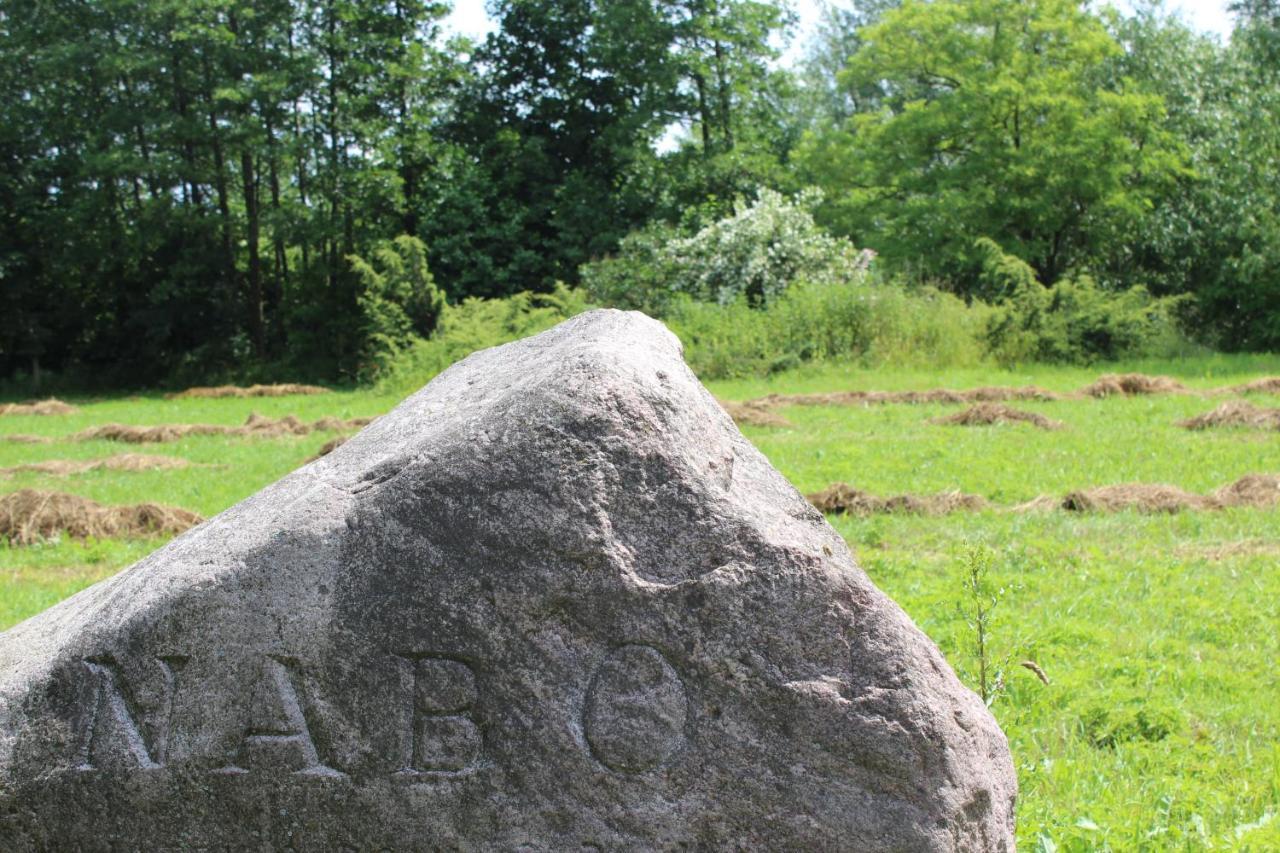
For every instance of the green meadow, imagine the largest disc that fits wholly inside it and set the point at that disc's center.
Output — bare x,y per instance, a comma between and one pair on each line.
1159,727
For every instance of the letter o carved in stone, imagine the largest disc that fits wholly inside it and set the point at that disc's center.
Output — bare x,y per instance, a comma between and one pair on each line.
636,710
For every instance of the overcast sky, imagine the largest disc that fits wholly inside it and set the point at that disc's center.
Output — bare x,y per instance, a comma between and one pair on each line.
1210,16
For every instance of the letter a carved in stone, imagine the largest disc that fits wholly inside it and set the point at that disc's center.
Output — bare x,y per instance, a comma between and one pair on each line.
278,733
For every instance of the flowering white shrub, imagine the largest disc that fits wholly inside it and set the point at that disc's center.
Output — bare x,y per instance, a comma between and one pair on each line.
755,254
759,251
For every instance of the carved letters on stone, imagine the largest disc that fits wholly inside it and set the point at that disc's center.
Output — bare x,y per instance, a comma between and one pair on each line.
112,710
634,716
440,737
553,601
279,731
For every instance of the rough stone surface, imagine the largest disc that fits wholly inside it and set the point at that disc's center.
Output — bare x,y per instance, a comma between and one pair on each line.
554,601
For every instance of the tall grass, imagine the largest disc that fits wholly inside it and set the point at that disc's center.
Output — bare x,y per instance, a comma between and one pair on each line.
865,321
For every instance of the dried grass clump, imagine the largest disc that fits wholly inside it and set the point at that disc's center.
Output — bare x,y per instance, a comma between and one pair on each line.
281,390
1143,497
986,414
268,427
881,398
28,516
843,498
1235,413
329,446
119,462
24,438
1266,385
256,426
1132,385
131,434
39,407
332,424
753,414
1251,490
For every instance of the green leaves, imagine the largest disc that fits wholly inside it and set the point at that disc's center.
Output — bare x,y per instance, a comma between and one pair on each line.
993,123
398,300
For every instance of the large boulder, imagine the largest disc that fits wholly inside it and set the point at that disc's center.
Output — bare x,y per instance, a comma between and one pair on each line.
552,601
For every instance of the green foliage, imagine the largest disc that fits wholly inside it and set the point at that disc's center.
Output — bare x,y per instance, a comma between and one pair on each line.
398,299
993,123
185,180
1109,721
861,320
182,184
978,602
473,325
1214,233
1075,320
755,254
639,275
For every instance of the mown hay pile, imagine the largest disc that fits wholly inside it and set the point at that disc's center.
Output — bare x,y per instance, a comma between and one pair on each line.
119,462
1143,497
282,390
1235,413
24,438
131,434
332,424
1266,385
256,426
881,398
29,516
1107,385
1251,490
843,498
39,407
753,414
329,446
1132,385
1040,503
986,414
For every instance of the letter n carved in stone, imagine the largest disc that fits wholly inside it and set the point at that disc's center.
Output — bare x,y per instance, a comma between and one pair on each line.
114,730
440,737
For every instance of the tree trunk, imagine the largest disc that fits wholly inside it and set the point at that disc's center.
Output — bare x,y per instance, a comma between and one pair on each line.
722,86
280,280
220,189
257,327
704,112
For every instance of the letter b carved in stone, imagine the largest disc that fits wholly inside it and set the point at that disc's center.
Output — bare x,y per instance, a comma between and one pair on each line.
440,737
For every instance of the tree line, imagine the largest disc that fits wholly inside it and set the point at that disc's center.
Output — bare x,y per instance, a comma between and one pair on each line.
195,188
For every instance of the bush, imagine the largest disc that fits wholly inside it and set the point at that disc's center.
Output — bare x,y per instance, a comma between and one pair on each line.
861,320
754,255
473,325
639,276
398,300
1075,321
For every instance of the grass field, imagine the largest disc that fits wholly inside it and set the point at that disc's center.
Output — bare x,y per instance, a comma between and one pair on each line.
1160,635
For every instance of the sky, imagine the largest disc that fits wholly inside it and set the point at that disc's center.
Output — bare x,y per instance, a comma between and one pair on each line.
1210,16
